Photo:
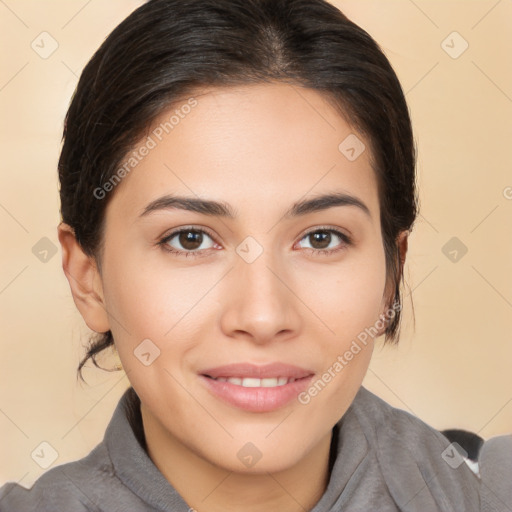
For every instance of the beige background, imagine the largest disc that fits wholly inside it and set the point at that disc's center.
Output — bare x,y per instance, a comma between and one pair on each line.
452,369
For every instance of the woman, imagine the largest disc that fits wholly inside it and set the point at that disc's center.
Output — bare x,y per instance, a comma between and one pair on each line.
237,189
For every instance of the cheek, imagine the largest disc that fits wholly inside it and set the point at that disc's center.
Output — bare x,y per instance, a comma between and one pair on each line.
348,297
149,299
349,301
360,299
153,310
349,305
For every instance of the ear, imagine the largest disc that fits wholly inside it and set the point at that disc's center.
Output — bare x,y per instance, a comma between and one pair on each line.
403,244
84,279
389,294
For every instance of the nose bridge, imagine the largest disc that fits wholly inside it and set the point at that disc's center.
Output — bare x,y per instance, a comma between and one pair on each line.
261,304
259,280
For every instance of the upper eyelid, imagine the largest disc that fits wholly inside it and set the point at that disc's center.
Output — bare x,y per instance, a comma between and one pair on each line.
188,228
337,231
326,228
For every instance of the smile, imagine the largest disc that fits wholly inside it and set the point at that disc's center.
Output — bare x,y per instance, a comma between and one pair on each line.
256,388
250,382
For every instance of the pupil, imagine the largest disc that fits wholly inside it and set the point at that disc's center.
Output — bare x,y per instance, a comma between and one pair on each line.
191,239
324,237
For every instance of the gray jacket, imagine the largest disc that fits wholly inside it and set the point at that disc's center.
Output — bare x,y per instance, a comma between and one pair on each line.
386,460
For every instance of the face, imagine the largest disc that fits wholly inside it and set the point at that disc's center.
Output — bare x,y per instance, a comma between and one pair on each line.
255,279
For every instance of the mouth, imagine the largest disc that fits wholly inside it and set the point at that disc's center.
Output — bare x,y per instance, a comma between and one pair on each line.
252,382
276,370
256,388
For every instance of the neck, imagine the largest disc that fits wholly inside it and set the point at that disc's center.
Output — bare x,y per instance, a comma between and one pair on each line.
205,486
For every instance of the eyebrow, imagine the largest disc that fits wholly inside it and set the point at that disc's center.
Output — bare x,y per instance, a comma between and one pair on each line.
222,209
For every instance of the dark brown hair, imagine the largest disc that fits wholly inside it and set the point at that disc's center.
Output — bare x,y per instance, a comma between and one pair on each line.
167,48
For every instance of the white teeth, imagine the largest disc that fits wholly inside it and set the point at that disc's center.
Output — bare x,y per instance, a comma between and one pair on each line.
251,382
271,382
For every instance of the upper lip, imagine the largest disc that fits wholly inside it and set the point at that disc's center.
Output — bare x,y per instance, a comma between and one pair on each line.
272,370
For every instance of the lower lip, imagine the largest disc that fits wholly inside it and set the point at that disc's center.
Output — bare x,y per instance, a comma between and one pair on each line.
256,399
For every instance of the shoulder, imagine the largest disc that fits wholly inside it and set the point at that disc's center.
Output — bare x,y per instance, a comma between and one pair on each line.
98,481
397,432
386,424
414,456
65,487
495,464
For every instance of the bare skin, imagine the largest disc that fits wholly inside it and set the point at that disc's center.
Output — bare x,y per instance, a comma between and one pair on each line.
259,149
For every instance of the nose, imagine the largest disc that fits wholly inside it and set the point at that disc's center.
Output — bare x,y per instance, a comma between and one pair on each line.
260,304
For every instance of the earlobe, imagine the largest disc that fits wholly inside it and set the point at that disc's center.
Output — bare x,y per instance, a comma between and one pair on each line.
402,246
403,243
84,280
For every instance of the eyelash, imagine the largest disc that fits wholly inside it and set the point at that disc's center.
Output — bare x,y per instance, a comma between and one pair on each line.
164,242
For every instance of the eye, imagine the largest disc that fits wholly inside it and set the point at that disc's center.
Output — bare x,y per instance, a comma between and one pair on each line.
321,240
187,241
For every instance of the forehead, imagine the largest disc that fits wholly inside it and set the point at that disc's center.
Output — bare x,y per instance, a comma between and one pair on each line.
249,145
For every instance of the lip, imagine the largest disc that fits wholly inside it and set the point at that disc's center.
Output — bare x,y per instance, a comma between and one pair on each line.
258,399
271,370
